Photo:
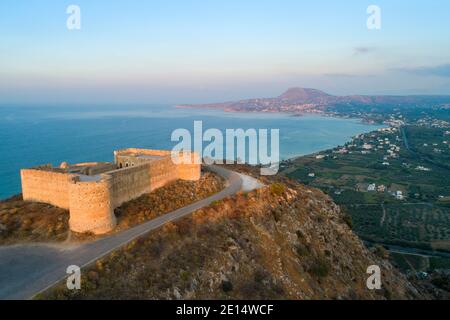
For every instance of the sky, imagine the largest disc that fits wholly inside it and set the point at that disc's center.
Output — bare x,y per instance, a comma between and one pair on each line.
192,51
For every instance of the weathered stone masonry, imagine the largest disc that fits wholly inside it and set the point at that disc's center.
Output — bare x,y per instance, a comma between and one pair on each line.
91,191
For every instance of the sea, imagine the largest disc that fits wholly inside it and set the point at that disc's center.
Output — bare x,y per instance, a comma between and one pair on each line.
34,135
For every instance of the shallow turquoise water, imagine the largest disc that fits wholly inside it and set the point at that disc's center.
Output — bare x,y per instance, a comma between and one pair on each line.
31,136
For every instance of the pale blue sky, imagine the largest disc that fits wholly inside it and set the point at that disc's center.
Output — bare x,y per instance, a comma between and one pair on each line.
174,51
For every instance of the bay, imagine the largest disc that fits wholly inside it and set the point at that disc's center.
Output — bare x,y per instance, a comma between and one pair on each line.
31,136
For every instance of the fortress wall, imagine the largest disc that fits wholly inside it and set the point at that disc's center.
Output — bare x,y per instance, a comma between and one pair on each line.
162,172
46,187
125,161
190,172
92,199
129,183
91,205
101,168
130,156
92,168
161,153
191,169
86,164
145,176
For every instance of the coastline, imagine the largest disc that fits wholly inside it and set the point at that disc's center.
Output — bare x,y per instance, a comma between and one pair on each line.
300,115
293,114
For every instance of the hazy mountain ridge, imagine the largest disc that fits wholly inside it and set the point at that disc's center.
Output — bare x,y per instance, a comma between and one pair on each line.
313,100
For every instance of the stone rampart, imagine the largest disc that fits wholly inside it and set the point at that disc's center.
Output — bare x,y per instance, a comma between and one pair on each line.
91,205
92,199
46,187
129,183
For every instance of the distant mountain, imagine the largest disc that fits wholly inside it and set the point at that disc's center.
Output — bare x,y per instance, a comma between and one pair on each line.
301,95
303,100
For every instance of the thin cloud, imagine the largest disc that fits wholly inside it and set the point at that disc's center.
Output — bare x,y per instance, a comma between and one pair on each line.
363,50
347,75
442,70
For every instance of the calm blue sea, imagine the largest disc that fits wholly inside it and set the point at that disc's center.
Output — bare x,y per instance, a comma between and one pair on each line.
31,136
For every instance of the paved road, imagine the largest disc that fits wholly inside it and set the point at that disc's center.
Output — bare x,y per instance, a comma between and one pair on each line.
405,140
28,269
410,250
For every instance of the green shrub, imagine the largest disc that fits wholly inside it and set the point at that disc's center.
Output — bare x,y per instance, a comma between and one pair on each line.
348,220
320,268
302,250
300,234
381,252
215,203
260,275
387,294
185,276
277,189
441,282
227,286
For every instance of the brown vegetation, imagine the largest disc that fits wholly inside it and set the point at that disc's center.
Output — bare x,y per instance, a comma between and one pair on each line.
169,198
22,221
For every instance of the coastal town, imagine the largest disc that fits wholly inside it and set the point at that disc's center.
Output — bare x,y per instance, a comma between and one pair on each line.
392,182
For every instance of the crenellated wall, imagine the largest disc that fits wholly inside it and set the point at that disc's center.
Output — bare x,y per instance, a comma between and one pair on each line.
92,199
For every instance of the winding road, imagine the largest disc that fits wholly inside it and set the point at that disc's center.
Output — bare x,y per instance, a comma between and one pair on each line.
26,270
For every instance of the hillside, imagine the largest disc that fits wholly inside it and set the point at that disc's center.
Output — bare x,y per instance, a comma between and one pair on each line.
285,241
306,100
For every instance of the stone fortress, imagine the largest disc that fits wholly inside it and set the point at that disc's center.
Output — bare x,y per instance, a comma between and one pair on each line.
91,191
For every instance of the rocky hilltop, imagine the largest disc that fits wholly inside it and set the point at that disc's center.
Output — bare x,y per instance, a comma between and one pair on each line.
298,100
285,241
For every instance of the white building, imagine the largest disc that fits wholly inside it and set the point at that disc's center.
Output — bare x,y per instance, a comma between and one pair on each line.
422,168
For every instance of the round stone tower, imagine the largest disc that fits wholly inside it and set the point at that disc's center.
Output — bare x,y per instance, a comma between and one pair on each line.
91,205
